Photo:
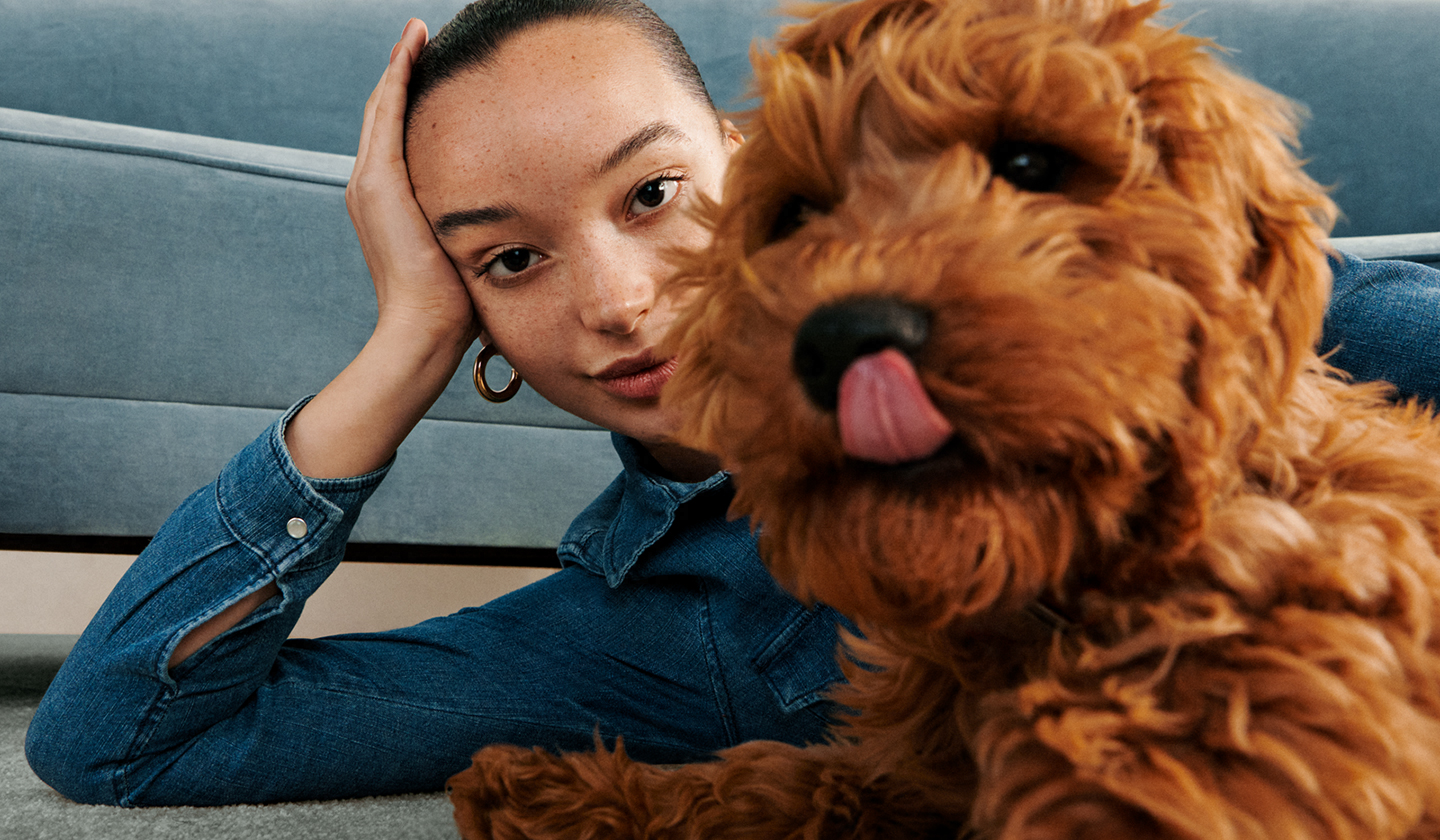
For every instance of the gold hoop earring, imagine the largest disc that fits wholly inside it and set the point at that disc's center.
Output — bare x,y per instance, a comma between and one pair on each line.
488,352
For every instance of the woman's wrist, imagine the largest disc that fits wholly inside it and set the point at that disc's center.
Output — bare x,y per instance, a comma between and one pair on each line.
355,424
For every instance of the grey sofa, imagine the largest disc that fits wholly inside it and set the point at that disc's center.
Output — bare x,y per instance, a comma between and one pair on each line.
176,264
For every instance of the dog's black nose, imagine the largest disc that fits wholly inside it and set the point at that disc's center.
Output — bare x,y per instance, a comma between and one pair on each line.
837,334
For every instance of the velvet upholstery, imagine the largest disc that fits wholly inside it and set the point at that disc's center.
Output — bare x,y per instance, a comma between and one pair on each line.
176,264
1366,73
297,73
270,71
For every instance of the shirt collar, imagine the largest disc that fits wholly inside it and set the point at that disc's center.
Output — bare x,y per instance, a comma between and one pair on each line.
611,535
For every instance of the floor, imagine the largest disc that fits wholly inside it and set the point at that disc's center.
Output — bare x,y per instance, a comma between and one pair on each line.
46,602
30,810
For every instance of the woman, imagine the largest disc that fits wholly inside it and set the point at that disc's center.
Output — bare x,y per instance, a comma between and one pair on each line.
554,150
559,170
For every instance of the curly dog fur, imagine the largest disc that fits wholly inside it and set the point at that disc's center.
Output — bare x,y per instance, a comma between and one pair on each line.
1120,271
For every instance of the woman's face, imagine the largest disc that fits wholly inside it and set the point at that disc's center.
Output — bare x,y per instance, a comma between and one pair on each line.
558,179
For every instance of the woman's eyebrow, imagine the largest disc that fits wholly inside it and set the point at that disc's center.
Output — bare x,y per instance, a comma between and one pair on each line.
454,220
626,149
632,145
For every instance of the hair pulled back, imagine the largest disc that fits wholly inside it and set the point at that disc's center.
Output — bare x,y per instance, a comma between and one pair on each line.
471,39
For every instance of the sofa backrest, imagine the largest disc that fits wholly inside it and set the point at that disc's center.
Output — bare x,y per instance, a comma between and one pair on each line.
290,74
296,74
1366,71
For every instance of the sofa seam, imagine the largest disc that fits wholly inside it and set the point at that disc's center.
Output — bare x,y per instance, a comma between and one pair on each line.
211,161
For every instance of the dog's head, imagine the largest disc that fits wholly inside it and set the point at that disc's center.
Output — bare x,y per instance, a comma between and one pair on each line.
995,284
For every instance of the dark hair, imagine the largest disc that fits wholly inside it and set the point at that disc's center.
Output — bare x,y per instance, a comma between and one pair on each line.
472,37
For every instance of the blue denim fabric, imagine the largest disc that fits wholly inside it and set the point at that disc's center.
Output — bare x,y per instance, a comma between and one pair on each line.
662,627
1384,324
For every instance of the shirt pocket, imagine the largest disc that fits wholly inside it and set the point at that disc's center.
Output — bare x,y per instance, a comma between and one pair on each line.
799,663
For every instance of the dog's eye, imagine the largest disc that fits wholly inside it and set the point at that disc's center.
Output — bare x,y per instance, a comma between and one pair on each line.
1033,167
793,214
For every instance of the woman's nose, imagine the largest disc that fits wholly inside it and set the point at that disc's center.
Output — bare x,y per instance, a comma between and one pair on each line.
621,293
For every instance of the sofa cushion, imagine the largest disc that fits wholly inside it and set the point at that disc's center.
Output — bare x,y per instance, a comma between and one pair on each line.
149,265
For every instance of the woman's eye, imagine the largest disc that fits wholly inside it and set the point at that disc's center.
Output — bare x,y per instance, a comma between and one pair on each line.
510,262
654,194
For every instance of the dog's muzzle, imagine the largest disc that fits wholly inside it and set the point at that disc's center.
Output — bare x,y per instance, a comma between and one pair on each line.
855,358
837,334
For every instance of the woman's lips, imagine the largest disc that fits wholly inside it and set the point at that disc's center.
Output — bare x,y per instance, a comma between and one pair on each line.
638,377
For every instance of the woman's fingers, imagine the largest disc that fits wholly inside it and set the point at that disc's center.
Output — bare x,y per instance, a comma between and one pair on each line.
414,279
366,124
387,101
387,137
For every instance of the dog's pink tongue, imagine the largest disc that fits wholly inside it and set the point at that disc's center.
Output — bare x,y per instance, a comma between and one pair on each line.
885,414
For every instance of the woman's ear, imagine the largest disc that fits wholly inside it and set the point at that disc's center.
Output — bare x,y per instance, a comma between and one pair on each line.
733,138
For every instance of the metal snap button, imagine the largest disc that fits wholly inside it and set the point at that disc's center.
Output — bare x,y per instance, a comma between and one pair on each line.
297,528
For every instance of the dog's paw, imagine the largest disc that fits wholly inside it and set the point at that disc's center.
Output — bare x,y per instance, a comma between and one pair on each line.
510,793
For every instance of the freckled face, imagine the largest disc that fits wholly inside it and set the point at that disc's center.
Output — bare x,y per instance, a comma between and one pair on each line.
558,179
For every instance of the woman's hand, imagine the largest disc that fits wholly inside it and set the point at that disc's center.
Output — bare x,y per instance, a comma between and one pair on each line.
426,320
415,283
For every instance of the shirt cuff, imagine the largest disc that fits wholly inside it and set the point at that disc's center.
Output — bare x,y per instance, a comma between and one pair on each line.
280,514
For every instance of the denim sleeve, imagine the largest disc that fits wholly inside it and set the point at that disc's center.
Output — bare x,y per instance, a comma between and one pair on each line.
1384,324
115,702
698,650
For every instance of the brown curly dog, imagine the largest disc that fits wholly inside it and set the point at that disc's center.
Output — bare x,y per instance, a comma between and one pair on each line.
1007,336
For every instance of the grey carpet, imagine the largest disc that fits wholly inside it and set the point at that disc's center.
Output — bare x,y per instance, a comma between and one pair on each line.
30,810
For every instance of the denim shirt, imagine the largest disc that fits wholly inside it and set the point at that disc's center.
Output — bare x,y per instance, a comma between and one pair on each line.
1383,323
614,532
645,526
662,627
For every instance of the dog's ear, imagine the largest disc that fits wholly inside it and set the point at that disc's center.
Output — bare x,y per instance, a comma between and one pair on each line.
1229,145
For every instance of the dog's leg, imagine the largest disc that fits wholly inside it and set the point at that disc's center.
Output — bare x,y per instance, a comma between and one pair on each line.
755,791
